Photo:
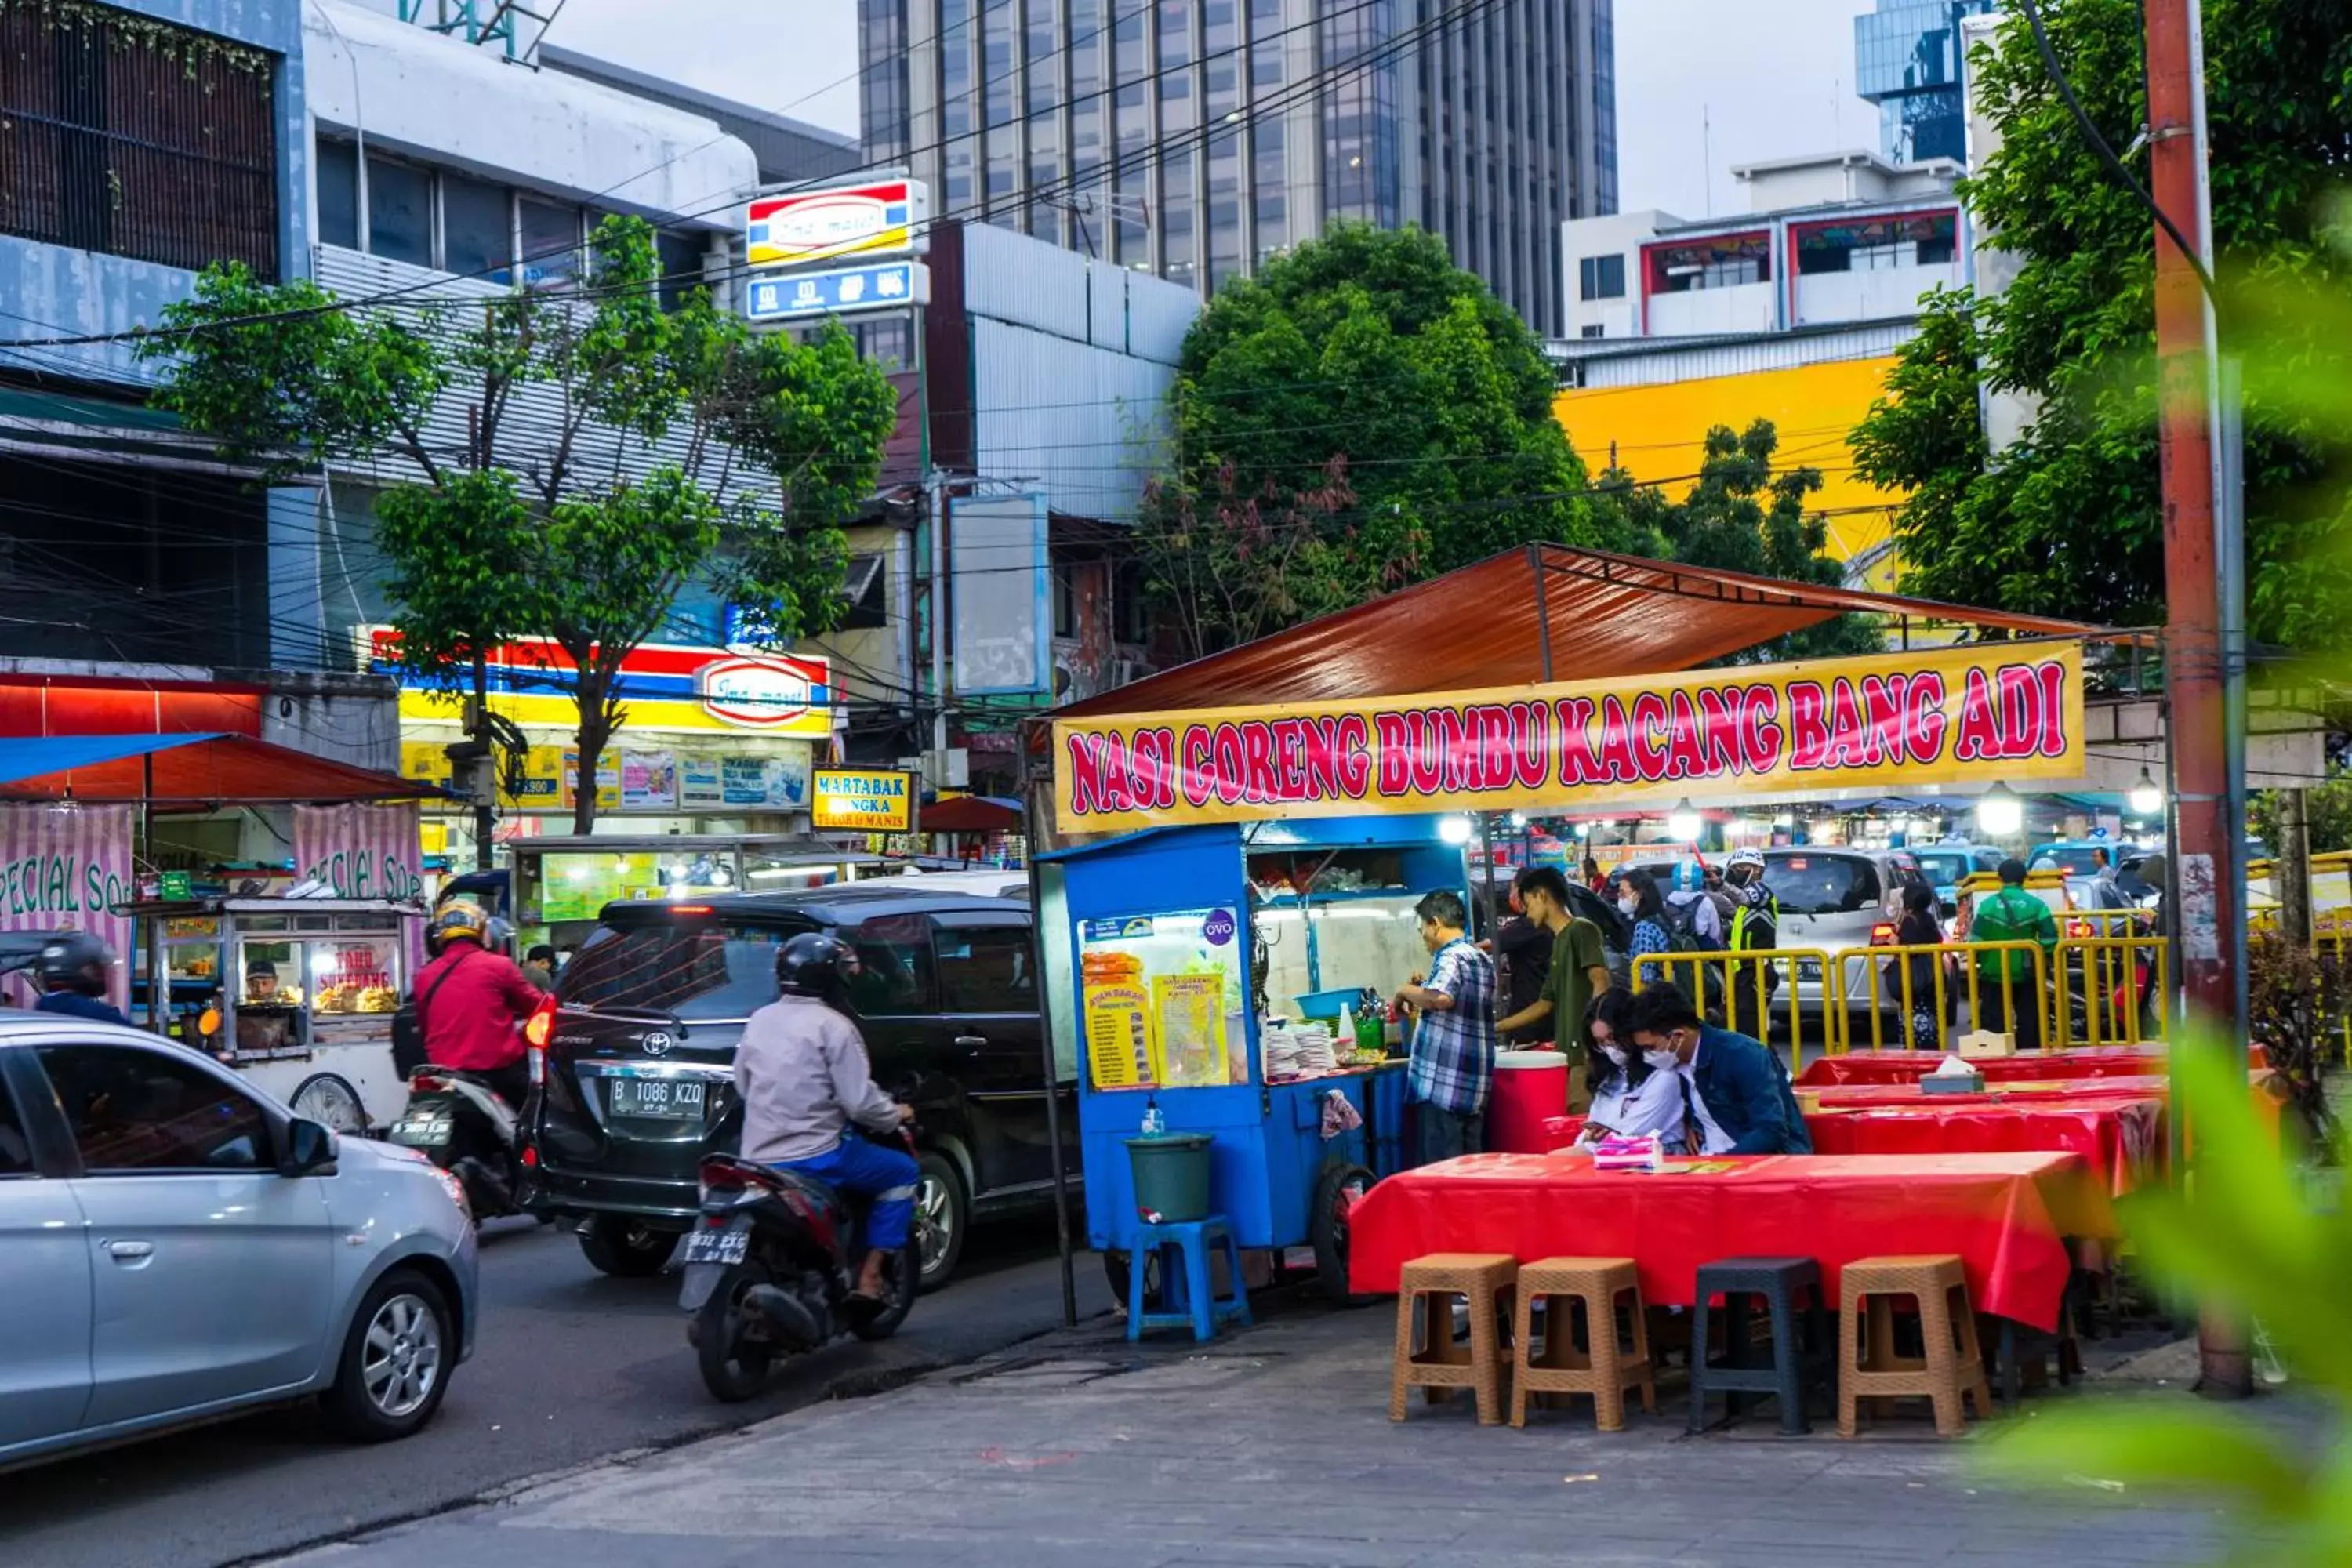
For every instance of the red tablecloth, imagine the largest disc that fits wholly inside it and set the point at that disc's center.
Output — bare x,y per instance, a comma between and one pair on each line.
1903,1067
2003,1214
2121,1138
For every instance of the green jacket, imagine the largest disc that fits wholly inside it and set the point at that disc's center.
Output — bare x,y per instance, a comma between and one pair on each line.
2011,915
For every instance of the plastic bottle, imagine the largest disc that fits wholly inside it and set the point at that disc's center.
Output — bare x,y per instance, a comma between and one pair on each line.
1347,1038
1154,1121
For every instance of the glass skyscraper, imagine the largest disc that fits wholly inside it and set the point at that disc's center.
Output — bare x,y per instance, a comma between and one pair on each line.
1195,139
1906,60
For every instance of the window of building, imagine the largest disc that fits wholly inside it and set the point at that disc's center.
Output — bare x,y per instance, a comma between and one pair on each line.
1601,278
680,254
550,243
477,227
130,1108
1130,608
1066,599
339,192
1880,257
400,211
1591,331
137,138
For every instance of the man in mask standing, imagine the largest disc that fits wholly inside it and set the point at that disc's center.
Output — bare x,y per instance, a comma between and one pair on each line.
1755,927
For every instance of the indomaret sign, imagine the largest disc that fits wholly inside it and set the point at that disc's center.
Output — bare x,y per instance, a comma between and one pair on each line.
1948,716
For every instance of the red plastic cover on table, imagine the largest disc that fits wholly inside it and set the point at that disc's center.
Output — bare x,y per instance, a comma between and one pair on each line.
2004,1214
1901,1066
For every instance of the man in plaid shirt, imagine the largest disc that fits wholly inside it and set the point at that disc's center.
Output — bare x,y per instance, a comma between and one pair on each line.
1453,1063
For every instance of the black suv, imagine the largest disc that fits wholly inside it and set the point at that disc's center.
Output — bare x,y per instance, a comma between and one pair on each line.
638,1084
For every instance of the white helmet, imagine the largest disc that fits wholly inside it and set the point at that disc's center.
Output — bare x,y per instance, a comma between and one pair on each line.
1745,858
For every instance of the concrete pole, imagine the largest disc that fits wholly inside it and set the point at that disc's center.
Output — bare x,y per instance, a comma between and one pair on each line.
2291,873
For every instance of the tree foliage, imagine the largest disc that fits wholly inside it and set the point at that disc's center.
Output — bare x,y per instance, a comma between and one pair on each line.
1741,516
2069,520
2327,816
1364,363
769,447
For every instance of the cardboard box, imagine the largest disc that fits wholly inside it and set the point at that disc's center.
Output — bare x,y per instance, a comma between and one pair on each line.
1983,1044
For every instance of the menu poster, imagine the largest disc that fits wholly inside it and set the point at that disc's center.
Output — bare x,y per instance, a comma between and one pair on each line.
1120,1050
699,783
778,783
648,780
1189,1013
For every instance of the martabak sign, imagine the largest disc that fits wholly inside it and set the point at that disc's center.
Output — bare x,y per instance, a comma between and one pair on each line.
2002,712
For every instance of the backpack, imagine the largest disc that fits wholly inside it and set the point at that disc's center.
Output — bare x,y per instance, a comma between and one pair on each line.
1681,921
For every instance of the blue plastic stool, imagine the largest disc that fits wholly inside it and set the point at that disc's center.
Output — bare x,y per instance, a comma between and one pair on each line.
1186,1297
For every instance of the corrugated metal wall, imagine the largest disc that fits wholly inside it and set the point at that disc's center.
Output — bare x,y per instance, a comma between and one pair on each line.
535,416
1084,422
1658,361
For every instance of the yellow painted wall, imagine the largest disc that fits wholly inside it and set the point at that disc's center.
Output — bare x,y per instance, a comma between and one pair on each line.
1660,434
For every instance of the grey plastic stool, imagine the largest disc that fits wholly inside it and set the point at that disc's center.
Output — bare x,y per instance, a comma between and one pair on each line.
1801,1347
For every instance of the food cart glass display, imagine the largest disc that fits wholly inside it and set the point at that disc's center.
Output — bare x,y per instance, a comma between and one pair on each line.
1197,952
296,994
562,884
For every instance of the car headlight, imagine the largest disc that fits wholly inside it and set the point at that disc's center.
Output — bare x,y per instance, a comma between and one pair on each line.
457,1191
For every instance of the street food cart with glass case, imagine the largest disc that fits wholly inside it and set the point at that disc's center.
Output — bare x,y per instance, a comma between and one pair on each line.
298,994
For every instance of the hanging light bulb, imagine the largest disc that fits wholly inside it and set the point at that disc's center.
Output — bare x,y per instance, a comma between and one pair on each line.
2000,814
1454,829
1684,823
2146,799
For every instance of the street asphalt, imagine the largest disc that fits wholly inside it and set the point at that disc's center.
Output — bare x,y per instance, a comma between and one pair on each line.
570,1368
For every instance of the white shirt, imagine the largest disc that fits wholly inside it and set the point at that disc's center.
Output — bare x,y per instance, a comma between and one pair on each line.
804,1078
1656,1107
1713,1139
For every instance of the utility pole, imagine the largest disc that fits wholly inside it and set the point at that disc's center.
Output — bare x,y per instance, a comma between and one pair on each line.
2291,872
2209,904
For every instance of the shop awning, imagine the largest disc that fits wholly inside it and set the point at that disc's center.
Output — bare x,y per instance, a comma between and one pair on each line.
1598,615
972,814
199,769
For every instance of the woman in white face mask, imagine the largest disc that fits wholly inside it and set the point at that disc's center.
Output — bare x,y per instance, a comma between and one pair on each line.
1633,1094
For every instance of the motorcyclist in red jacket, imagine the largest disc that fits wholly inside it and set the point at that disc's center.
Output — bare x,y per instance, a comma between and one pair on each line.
472,1002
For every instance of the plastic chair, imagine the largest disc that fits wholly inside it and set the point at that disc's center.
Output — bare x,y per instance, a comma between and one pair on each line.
1431,1282
1608,1363
1800,1346
1187,1299
1953,1365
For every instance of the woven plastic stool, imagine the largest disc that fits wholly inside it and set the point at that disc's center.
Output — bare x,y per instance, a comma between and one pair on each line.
1432,1282
1608,1364
1800,1345
1953,1365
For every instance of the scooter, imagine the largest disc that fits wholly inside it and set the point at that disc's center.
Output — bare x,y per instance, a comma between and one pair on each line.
769,1268
459,1122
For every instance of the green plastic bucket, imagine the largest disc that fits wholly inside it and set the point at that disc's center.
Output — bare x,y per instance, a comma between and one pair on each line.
1171,1175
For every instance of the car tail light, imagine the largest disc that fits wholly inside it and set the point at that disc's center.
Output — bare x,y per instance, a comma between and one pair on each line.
1881,935
2077,929
530,1156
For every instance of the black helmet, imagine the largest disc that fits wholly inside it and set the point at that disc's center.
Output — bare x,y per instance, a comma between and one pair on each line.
815,965
74,960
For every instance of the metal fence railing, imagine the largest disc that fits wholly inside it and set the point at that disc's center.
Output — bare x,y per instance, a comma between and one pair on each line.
2120,983
1910,995
1753,991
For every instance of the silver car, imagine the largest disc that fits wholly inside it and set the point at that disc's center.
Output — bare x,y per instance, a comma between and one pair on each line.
179,1247
1837,899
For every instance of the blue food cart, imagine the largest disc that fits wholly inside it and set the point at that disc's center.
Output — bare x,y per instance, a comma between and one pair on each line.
1181,943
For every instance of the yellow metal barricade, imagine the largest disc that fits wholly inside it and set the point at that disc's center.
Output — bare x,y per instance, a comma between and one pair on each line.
1886,975
1751,990
2123,984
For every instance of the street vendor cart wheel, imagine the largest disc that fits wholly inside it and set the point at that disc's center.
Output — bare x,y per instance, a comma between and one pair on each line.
1337,1191
329,1101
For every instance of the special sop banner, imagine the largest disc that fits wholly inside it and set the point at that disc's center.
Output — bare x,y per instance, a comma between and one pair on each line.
2010,711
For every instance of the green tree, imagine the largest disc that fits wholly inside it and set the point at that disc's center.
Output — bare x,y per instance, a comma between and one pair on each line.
769,447
1741,516
2069,520
1364,356
2328,816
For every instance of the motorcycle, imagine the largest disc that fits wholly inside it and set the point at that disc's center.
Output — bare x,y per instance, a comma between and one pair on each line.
459,1122
769,1268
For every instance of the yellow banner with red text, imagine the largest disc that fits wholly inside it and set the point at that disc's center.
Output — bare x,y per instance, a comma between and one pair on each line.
1975,715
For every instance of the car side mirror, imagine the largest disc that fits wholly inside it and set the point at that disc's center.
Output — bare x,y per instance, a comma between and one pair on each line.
309,1150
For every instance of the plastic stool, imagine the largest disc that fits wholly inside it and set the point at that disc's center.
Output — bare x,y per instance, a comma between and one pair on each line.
1800,1348
1484,1280
1952,1366
1187,1299
1609,1363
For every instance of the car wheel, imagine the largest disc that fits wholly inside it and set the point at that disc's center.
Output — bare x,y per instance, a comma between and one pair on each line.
627,1248
332,1102
941,1213
396,1361
1337,1191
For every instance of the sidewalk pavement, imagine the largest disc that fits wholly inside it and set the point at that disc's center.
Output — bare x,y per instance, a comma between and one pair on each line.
1274,1447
